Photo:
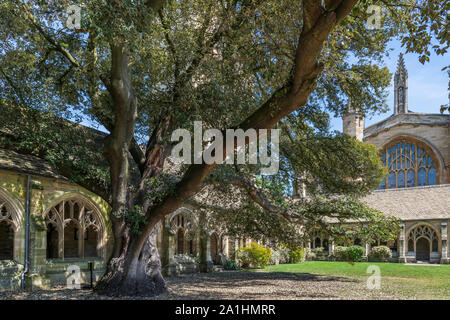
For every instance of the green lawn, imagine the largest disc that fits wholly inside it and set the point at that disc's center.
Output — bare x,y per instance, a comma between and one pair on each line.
407,281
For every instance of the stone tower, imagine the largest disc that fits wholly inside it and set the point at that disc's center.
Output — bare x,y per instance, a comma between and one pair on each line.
353,123
401,87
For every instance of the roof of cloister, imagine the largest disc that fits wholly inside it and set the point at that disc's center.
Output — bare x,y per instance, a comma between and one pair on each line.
27,164
416,203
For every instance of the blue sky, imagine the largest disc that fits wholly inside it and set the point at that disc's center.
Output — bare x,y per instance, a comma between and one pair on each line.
427,84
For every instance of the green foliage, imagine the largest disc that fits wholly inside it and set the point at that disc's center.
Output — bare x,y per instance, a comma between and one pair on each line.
253,256
286,254
230,265
135,219
340,252
160,187
279,256
177,74
381,253
352,253
295,255
315,254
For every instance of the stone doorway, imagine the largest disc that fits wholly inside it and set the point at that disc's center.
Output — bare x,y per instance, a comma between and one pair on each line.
423,249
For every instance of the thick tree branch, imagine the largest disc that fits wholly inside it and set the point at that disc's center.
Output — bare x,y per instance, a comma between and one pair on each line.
285,100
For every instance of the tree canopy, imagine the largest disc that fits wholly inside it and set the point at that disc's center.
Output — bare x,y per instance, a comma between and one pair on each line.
141,69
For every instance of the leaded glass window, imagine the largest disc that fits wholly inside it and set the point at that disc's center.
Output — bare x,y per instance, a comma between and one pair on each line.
409,164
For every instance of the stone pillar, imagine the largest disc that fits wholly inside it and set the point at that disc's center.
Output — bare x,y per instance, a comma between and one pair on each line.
444,245
36,277
402,243
367,250
225,246
331,246
167,252
206,264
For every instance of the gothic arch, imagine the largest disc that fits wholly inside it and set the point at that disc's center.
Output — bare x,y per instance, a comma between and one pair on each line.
411,161
184,226
424,230
189,220
76,209
12,210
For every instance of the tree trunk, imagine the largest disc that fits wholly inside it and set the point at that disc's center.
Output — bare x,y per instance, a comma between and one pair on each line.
135,272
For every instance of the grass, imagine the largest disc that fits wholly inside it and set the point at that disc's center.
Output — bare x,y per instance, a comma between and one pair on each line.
405,281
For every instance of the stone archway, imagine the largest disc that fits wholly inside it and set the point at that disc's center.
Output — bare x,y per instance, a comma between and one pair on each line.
423,249
11,242
75,229
422,236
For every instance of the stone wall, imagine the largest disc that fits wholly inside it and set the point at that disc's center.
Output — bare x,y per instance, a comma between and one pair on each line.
46,193
353,125
443,250
434,130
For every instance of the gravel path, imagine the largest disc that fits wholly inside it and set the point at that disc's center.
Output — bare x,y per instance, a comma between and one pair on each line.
238,285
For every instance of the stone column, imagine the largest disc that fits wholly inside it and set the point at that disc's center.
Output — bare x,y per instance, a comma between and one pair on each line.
402,243
225,246
206,263
367,249
36,277
167,252
331,246
205,254
444,245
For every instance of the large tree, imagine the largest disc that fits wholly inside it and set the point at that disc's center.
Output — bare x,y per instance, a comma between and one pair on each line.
141,69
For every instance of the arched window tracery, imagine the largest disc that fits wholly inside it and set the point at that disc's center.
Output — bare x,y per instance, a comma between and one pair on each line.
409,163
423,231
7,229
183,227
74,230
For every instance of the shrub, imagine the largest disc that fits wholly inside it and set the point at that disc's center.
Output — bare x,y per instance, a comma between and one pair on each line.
309,254
287,254
382,253
254,256
230,265
339,252
279,256
354,253
295,255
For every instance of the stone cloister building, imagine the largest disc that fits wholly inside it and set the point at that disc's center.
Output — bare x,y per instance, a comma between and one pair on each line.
415,149
69,225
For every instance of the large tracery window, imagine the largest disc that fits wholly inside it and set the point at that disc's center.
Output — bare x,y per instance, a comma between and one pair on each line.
184,229
409,164
6,232
73,231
